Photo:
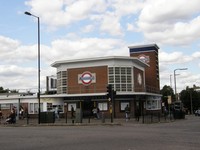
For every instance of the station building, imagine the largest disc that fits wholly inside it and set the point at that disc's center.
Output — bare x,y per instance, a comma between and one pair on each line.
82,83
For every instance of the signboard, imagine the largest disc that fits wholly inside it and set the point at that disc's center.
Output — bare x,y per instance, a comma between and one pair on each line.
169,99
144,58
86,78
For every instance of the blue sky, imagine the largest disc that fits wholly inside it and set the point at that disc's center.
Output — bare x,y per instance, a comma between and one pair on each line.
72,29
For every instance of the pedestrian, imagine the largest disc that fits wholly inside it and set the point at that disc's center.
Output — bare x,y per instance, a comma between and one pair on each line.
127,112
72,112
21,113
57,113
98,113
1,115
137,114
94,112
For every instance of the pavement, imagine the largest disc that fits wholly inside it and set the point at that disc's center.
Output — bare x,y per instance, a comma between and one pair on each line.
87,122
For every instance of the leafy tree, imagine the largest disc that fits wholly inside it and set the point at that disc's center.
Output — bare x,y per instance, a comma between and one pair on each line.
190,96
167,91
2,90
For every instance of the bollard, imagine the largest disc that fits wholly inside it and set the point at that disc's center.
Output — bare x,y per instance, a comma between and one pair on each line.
27,118
103,117
66,117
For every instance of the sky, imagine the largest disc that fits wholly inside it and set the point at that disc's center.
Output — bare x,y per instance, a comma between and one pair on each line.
74,29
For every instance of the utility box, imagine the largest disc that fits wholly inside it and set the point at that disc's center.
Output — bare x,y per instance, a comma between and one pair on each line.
79,115
47,117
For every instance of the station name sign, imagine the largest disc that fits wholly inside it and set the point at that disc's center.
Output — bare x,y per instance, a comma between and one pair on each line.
86,78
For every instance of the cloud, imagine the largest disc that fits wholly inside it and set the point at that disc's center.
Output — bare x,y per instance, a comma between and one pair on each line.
64,12
7,44
86,47
106,15
174,23
174,58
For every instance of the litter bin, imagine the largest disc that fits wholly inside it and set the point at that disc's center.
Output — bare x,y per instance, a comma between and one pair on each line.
102,117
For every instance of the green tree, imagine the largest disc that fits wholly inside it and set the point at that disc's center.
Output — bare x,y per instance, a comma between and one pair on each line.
167,91
190,98
2,90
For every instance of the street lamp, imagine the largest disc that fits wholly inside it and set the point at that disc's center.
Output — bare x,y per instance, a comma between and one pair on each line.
175,79
28,13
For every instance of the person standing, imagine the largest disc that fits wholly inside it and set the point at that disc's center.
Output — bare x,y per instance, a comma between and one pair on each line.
72,112
57,112
137,114
1,115
127,112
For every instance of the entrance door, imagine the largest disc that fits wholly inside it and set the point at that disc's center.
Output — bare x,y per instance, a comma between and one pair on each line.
87,108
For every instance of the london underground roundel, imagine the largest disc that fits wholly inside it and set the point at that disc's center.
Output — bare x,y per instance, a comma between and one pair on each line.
86,78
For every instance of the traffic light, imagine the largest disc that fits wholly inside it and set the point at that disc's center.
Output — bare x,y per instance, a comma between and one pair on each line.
114,94
109,91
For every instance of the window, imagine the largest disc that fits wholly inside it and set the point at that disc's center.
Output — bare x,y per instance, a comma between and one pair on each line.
70,106
153,104
121,78
33,108
5,106
123,105
62,82
103,106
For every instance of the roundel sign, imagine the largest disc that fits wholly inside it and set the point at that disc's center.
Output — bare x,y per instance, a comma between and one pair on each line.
86,78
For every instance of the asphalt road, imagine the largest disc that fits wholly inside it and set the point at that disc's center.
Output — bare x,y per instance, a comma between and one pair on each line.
178,135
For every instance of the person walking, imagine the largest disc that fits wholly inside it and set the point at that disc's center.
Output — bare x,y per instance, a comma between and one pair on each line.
127,112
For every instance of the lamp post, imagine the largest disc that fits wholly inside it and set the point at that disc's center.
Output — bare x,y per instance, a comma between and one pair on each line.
28,13
175,79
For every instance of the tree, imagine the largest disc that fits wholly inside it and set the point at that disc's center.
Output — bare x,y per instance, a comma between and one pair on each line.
167,91
190,98
2,90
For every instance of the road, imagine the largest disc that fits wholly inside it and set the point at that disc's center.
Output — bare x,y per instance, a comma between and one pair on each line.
180,134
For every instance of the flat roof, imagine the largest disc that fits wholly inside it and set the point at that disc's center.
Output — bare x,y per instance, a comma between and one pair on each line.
95,59
144,46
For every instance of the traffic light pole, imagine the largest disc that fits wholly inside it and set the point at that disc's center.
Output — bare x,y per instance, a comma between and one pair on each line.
111,95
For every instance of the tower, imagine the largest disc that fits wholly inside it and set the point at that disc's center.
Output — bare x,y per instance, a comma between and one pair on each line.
148,54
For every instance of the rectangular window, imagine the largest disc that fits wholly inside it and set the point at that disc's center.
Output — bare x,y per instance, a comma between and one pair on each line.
153,104
123,87
123,70
33,108
5,106
70,106
129,87
111,79
129,79
121,78
123,105
110,69
103,106
117,70
117,78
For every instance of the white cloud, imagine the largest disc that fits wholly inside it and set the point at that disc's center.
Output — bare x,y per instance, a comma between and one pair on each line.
88,28
61,12
7,44
174,58
85,47
170,22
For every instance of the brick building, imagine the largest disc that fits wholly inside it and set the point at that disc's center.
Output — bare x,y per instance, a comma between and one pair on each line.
83,82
